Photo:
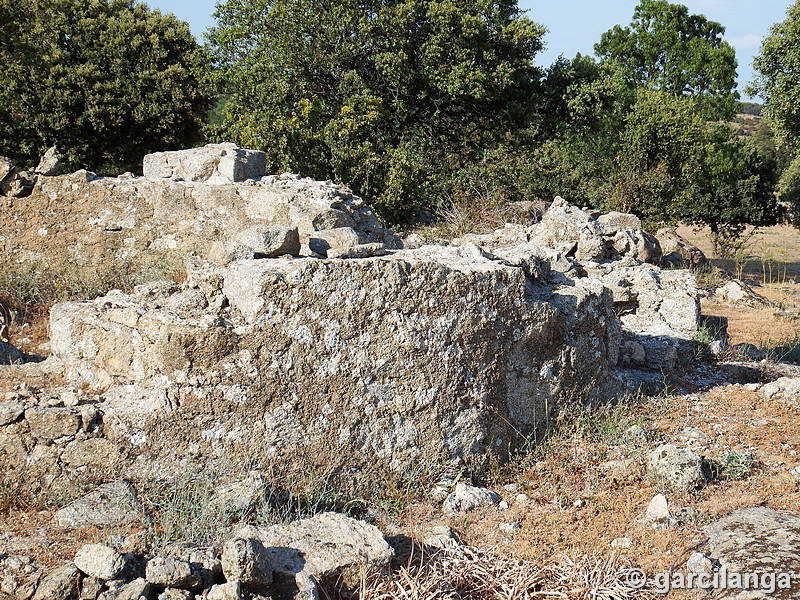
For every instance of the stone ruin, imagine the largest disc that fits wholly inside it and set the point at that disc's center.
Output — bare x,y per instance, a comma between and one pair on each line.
305,337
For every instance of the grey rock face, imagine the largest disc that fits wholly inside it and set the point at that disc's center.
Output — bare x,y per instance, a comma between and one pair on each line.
226,591
246,561
784,389
296,330
213,163
13,182
677,252
135,590
757,540
314,549
676,468
359,251
110,504
270,241
133,221
327,239
166,571
99,560
10,412
739,293
49,165
176,594
224,253
61,584
467,497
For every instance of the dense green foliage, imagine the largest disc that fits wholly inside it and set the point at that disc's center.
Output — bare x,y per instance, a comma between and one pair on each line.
667,48
778,82
389,96
105,80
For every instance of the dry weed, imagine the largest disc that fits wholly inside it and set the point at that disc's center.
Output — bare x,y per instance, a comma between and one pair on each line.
466,573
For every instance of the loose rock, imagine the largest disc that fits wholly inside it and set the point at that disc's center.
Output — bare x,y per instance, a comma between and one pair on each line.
100,561
679,469
467,497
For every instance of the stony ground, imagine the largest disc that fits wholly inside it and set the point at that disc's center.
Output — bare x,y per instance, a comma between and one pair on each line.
583,486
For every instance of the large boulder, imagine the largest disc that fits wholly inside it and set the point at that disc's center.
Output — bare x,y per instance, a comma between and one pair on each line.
435,354
327,548
213,163
759,542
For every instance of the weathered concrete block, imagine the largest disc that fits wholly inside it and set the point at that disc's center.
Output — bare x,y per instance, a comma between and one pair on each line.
438,353
213,163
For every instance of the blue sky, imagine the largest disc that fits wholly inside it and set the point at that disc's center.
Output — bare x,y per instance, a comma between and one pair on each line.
576,25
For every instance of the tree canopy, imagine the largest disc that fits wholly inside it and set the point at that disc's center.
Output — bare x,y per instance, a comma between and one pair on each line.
671,50
106,80
778,80
389,96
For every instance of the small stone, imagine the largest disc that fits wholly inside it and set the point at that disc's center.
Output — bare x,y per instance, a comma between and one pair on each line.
511,487
509,527
175,594
359,251
503,505
622,543
579,503
440,536
467,497
658,512
677,468
225,591
246,560
700,563
134,590
716,348
99,560
49,165
91,588
10,412
165,571
270,241
522,499
341,237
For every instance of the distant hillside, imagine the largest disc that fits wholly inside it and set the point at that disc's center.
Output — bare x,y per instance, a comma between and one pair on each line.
746,124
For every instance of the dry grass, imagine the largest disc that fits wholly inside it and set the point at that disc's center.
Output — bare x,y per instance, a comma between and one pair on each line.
771,255
466,573
29,289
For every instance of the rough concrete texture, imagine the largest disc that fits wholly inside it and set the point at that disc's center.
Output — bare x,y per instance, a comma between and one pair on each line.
757,541
404,361
213,163
92,220
325,547
418,356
